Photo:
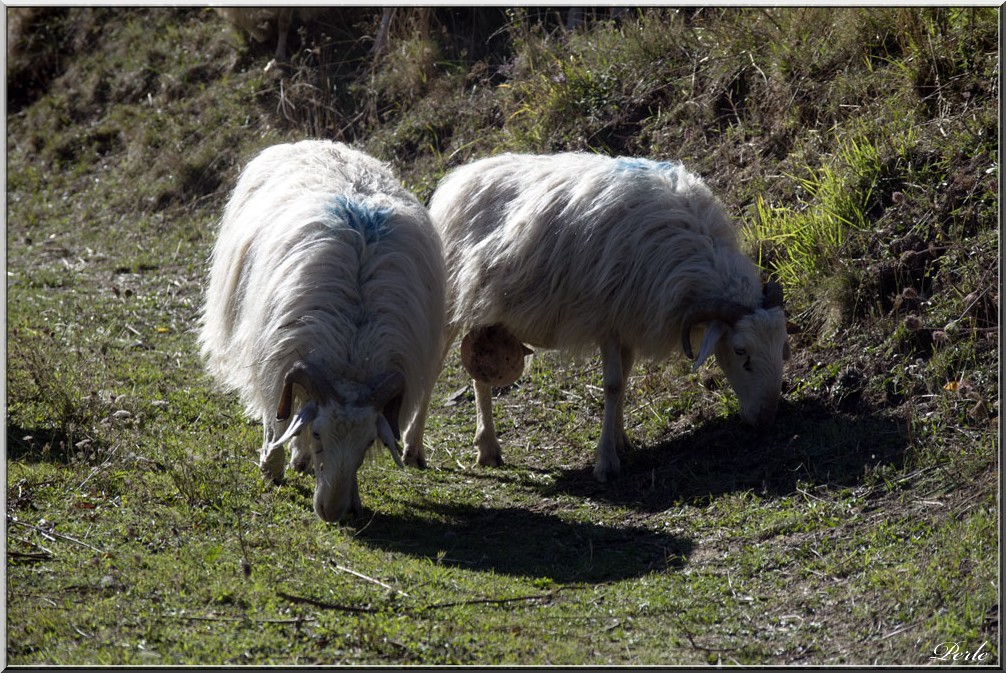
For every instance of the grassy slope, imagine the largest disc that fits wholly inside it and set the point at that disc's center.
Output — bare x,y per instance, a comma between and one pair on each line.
863,527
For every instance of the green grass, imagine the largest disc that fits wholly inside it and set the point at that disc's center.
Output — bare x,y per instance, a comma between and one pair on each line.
860,145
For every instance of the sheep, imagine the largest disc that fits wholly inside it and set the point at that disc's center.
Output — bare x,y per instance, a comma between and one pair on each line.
260,23
265,22
324,311
578,251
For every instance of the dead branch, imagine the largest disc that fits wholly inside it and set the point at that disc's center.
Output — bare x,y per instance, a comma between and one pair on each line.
367,578
51,534
323,605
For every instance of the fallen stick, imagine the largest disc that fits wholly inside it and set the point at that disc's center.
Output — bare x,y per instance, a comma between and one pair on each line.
203,618
51,534
368,579
323,605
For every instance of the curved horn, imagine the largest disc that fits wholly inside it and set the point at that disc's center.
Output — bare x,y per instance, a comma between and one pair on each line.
385,388
724,310
311,379
771,295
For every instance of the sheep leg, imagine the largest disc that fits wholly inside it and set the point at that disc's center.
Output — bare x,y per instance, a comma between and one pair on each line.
415,453
616,363
271,457
300,456
485,432
355,504
628,359
284,17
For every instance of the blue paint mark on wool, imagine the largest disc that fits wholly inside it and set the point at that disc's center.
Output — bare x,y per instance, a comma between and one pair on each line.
371,223
669,168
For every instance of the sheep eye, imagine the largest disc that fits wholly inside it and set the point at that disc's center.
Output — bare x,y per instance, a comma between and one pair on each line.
316,436
740,351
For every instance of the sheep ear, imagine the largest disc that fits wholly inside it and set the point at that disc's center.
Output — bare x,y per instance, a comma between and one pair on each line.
714,332
306,414
387,436
386,397
390,414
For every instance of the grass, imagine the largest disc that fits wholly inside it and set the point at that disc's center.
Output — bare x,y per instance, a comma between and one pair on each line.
860,145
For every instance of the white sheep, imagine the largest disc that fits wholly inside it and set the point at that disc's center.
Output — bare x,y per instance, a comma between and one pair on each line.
325,310
261,23
578,251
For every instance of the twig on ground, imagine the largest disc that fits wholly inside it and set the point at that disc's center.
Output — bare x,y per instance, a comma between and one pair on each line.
51,534
37,545
367,578
28,557
323,605
691,640
502,601
83,633
489,601
423,608
205,618
900,629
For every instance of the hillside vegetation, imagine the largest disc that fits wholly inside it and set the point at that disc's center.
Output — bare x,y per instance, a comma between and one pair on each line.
857,147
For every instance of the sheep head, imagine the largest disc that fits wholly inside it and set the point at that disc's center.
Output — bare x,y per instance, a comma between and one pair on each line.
750,345
493,355
344,421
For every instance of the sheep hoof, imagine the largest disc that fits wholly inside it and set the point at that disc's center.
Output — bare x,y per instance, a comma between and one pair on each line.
414,459
607,465
605,473
271,478
271,466
490,454
302,466
490,460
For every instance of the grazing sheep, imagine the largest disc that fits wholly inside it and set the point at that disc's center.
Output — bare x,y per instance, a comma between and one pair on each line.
578,251
265,22
325,310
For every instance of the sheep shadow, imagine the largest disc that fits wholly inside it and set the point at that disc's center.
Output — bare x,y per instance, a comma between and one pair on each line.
519,542
39,445
808,443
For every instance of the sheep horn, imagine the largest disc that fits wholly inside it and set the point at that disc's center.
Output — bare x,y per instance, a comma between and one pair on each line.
312,380
724,310
306,415
771,295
